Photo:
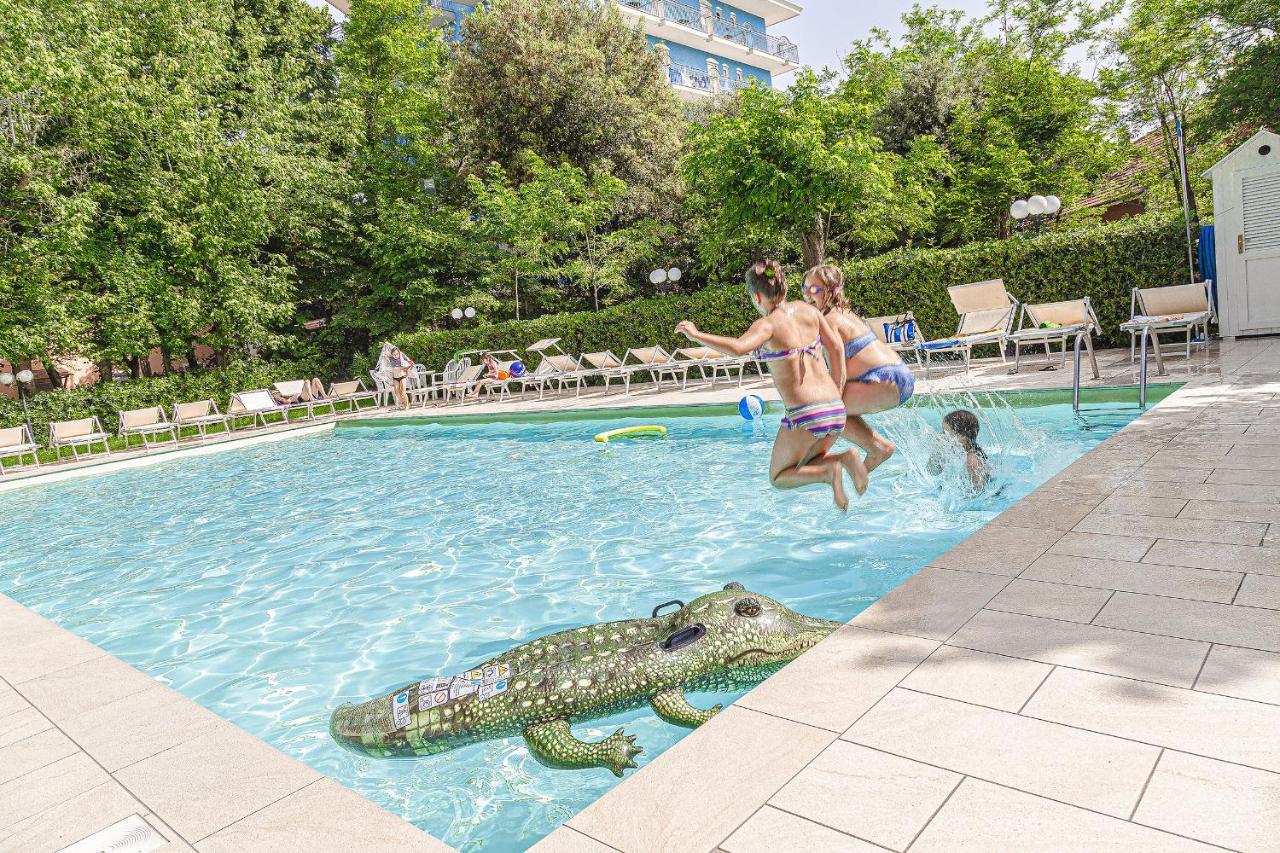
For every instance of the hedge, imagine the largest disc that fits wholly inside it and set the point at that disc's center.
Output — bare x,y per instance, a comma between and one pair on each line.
107,398
1104,262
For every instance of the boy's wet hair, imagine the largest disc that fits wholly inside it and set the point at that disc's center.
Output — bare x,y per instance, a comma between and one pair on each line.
767,279
963,423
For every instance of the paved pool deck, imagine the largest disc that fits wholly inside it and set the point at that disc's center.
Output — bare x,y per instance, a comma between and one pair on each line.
1098,668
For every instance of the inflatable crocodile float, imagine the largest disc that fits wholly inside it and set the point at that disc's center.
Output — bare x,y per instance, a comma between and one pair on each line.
720,642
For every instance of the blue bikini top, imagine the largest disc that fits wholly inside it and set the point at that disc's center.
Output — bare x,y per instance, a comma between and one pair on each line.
858,344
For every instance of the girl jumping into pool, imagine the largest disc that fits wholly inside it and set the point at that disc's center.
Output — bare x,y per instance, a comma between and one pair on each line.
877,380
789,337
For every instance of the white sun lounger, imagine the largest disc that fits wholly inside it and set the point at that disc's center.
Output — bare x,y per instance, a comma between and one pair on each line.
255,405
607,366
18,441
351,392
200,414
148,424
658,363
1181,308
1068,319
301,389
987,312
84,432
711,363
557,368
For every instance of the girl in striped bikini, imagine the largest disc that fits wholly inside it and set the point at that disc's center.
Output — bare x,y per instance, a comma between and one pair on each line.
790,338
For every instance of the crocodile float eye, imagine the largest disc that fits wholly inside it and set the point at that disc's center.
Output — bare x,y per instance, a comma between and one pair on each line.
747,607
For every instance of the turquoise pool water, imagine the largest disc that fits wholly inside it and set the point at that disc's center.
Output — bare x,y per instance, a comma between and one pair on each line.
273,583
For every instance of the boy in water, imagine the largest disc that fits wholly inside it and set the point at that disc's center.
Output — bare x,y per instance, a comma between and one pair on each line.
961,426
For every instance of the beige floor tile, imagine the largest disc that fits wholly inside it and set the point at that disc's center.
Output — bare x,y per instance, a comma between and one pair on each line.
1187,720
139,725
1141,505
212,781
932,604
46,649
1050,600
22,724
1256,463
772,831
1196,530
1102,546
566,840
1165,660
1232,511
1051,509
176,844
1173,581
32,793
996,681
1225,804
1244,476
1260,591
95,683
34,752
1083,768
1250,627
1181,474
868,794
321,817
72,817
1245,673
696,793
999,550
10,700
985,818
832,684
1207,555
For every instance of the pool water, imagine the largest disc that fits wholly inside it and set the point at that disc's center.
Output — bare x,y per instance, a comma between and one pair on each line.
273,583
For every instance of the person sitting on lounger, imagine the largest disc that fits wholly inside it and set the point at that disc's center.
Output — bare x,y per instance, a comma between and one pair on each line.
961,428
493,374
877,378
790,338
312,392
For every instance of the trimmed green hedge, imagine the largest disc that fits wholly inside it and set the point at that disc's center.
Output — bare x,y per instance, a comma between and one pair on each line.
1104,262
108,398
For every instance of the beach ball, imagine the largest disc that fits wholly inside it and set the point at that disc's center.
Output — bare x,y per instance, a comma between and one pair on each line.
751,407
517,369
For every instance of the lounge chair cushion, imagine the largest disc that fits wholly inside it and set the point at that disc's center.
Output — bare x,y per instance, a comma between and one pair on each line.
980,322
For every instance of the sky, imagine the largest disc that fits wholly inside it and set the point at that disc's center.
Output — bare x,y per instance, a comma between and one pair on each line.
825,28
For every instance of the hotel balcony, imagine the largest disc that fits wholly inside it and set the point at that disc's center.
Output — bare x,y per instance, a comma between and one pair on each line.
677,22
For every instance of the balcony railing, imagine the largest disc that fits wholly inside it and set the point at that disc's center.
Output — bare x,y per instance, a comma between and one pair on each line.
692,17
690,77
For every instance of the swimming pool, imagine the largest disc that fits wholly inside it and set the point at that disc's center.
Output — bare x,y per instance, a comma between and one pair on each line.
274,582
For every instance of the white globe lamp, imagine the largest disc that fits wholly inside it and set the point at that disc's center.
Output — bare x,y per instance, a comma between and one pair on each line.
1018,210
657,276
6,378
456,313
1037,205
673,274
1055,203
470,313
25,376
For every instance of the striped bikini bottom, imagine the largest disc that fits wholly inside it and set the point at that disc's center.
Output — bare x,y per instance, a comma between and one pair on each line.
820,419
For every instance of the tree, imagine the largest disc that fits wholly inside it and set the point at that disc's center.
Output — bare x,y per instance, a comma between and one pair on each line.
571,81
801,165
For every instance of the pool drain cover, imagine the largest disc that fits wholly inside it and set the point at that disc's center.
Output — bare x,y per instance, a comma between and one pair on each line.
131,835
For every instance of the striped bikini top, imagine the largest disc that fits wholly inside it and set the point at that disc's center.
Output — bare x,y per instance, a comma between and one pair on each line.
763,354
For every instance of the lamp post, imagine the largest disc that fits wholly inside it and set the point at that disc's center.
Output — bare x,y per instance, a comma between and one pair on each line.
1034,209
459,313
662,276
21,380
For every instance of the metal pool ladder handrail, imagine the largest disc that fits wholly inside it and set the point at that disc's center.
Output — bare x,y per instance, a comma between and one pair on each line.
1142,372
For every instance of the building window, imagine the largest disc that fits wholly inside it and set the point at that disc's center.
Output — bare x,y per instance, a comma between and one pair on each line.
719,14
733,18
739,75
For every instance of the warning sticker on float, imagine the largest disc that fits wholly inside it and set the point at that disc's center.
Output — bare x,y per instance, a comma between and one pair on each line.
487,682
488,691
496,673
461,687
400,710
432,693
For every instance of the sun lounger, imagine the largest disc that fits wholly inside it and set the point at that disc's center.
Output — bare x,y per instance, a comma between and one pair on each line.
17,441
899,332
84,432
462,382
657,362
301,389
255,405
557,367
1055,322
711,363
1181,308
351,392
148,423
201,414
607,366
987,312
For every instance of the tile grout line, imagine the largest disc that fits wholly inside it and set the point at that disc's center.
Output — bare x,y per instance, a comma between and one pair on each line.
1239,587
1138,802
586,835
1094,620
1053,668
827,825
207,836
941,806
1200,671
